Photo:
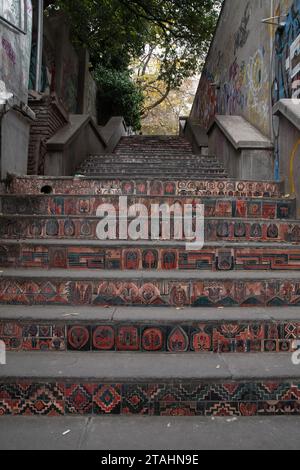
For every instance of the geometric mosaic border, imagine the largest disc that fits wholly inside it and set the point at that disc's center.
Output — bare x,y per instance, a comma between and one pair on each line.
154,399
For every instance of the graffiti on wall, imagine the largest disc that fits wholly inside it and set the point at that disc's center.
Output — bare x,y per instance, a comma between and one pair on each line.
236,80
287,57
15,51
11,11
242,34
243,89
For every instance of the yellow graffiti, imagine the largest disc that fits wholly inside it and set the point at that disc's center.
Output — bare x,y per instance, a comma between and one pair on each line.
292,161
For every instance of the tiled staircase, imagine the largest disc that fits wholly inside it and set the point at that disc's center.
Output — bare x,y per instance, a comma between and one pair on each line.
123,327
148,157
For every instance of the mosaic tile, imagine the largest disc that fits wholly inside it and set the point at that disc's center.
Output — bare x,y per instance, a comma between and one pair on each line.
135,399
79,399
107,399
21,185
164,399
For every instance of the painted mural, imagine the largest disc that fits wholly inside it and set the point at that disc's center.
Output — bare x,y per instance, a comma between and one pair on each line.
287,57
235,79
250,69
15,47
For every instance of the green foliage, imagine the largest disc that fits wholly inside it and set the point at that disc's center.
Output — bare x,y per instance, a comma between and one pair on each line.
119,32
108,30
118,95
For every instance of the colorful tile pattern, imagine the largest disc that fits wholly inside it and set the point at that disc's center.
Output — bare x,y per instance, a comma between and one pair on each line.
159,399
60,205
230,230
216,337
161,259
219,293
86,186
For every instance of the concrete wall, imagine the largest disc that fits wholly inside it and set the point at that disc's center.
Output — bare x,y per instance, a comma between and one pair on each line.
15,48
15,130
239,73
287,114
242,164
289,170
61,61
67,149
67,68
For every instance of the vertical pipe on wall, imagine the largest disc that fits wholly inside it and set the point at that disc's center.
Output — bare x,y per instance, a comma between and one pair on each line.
40,35
273,119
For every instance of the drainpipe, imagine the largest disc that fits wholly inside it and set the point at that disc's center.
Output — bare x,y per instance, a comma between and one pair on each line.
40,38
274,119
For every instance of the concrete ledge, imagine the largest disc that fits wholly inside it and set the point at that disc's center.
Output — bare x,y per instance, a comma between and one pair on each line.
195,134
154,433
145,244
149,275
140,368
241,133
290,109
147,315
67,134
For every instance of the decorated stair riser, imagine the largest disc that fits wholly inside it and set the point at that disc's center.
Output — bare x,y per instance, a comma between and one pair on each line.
87,206
155,187
231,293
20,255
179,398
71,228
142,173
185,337
160,158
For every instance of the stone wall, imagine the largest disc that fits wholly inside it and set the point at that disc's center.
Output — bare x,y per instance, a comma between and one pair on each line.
239,76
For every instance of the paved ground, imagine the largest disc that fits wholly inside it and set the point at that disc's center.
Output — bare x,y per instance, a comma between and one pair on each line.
114,433
137,368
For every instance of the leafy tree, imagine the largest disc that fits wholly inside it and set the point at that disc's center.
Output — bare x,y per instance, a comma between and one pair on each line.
121,34
118,95
164,118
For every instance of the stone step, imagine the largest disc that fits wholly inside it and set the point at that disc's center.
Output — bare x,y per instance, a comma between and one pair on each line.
132,162
161,187
149,384
165,256
152,142
216,229
148,173
149,167
150,159
236,207
143,288
156,433
160,156
33,329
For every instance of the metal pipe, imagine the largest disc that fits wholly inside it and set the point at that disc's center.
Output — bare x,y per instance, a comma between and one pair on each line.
40,37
